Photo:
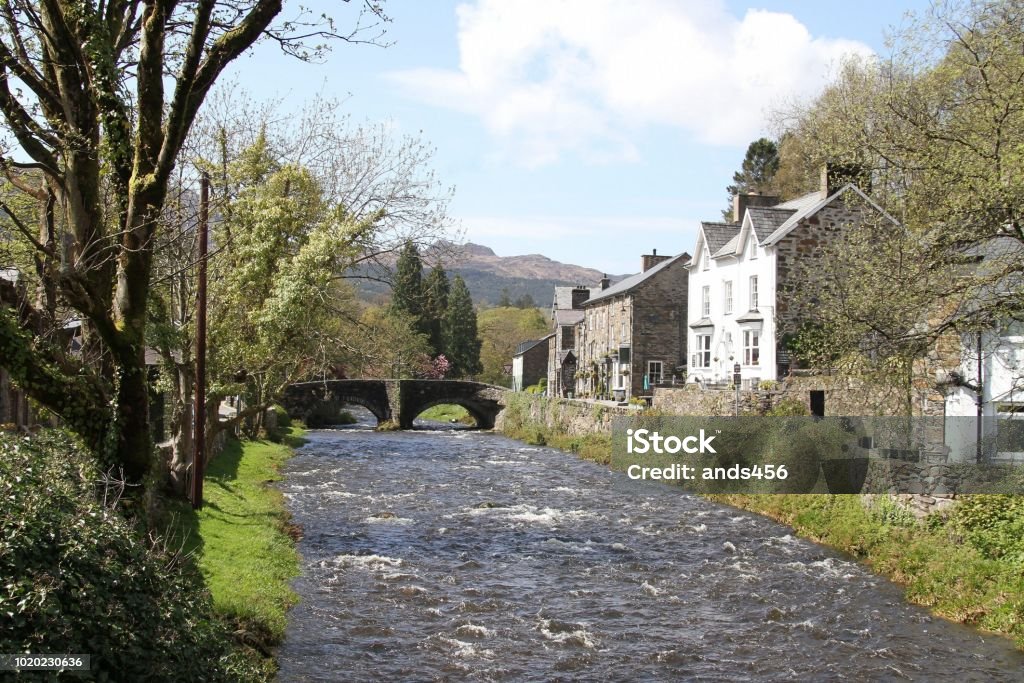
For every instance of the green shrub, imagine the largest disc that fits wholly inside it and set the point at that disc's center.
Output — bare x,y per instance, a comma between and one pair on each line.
994,524
79,578
284,420
788,407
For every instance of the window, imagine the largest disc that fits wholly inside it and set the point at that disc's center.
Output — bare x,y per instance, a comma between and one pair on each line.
706,258
705,306
654,371
753,292
753,245
751,347
701,358
727,295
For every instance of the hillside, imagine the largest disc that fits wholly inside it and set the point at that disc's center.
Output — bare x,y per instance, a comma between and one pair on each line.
487,274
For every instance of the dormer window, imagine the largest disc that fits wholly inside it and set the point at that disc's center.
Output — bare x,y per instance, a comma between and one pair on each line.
752,252
706,258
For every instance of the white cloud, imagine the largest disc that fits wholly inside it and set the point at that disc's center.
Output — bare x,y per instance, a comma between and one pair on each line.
549,77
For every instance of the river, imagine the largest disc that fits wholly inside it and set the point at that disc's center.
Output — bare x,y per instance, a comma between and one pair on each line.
463,555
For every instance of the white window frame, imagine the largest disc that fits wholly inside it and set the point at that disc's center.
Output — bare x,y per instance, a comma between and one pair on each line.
701,357
705,258
650,371
705,301
753,245
753,293
752,348
727,294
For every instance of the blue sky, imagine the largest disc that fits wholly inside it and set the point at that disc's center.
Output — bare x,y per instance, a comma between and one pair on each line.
590,131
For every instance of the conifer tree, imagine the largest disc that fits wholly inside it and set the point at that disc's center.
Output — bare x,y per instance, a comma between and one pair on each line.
461,341
436,293
407,292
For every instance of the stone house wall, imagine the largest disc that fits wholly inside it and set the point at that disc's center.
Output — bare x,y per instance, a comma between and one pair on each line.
535,363
800,255
650,318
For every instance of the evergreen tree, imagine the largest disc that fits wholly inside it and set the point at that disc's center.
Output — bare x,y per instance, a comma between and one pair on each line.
505,301
461,341
758,170
437,289
407,292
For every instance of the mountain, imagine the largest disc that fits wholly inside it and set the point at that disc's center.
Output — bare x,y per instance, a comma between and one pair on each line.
487,274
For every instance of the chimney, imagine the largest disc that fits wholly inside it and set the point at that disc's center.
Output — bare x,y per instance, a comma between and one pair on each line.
579,295
834,176
741,201
605,282
648,261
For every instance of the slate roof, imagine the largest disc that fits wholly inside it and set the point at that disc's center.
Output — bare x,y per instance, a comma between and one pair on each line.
809,199
633,280
729,249
529,344
568,316
563,296
767,220
750,317
718,235
810,207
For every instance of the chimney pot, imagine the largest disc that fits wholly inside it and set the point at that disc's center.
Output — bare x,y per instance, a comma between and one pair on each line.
648,261
605,282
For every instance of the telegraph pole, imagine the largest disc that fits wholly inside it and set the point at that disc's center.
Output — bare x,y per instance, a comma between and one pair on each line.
199,421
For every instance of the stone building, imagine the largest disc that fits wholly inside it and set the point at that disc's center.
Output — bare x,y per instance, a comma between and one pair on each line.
633,333
530,362
566,312
748,277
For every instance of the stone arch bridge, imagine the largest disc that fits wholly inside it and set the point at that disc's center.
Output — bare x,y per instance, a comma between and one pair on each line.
400,400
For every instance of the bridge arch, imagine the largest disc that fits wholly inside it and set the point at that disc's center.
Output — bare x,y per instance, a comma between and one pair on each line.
474,411
399,400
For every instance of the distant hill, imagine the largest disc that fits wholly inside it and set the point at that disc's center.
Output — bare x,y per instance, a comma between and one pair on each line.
487,274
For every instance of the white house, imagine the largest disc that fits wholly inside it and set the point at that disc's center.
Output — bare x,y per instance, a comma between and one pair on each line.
741,273
989,382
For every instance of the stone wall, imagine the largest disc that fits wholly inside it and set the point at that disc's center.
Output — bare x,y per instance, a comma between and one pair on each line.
659,321
565,416
844,397
691,399
800,257
650,318
535,362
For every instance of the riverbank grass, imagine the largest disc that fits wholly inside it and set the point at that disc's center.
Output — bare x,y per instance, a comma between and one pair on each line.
447,412
243,539
967,565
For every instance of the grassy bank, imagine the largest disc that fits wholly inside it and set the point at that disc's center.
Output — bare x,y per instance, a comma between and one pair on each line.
446,412
243,541
595,447
967,565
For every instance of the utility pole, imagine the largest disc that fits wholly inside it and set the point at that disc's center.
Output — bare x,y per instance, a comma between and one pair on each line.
199,421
